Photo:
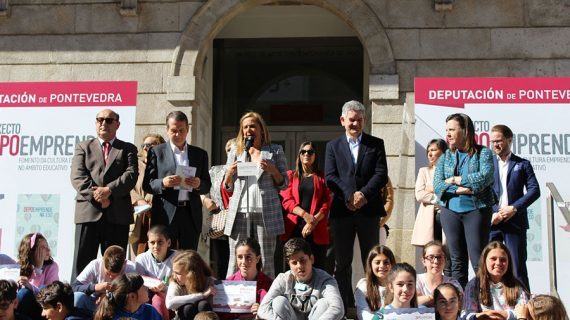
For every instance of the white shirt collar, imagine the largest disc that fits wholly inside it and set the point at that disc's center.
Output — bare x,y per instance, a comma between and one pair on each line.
351,139
507,160
175,148
110,141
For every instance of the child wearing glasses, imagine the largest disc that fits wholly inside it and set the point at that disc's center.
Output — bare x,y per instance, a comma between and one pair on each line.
434,262
303,292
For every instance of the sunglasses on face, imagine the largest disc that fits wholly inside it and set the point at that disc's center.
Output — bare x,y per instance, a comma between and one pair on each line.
148,145
106,120
309,152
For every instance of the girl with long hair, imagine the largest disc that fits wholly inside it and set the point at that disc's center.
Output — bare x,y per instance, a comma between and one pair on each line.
495,291
402,286
448,301
249,265
126,300
191,285
37,269
371,292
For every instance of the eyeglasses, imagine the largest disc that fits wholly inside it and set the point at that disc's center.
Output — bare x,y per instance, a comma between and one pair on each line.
106,120
432,258
309,152
148,145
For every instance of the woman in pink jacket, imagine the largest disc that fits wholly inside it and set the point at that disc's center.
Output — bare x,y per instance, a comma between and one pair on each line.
428,226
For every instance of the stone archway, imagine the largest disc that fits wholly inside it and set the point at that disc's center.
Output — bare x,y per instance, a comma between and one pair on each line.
187,84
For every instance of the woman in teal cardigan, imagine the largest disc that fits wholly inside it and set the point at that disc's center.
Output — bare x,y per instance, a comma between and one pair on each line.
463,183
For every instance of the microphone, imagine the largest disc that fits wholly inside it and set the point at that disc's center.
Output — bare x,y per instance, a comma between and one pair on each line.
248,142
248,145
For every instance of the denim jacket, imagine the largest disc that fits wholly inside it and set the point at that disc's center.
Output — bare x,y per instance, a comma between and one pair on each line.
479,178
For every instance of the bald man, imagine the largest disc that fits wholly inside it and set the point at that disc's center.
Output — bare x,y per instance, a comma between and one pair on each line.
103,171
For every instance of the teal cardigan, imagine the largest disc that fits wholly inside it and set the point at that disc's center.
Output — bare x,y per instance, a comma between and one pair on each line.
479,178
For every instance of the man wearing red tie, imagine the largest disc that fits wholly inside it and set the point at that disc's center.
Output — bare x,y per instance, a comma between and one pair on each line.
103,171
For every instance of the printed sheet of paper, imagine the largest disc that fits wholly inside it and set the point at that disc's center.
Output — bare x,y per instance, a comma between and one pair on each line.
409,314
151,282
185,172
235,296
246,169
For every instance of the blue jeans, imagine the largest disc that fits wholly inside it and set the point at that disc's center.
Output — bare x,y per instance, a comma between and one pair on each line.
467,234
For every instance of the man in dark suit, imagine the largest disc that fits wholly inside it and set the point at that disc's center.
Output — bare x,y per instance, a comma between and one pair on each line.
172,204
103,171
355,171
510,220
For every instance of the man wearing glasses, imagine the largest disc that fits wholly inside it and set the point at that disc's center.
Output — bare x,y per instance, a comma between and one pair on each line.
103,171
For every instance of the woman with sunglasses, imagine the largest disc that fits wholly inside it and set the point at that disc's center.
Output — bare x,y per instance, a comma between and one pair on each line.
306,201
138,238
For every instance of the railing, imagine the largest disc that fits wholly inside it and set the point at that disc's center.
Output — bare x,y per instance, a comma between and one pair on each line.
554,200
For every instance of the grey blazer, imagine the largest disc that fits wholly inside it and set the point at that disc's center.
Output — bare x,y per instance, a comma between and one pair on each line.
272,210
120,175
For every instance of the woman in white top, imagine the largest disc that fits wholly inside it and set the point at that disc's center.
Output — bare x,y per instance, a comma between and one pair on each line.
370,293
434,261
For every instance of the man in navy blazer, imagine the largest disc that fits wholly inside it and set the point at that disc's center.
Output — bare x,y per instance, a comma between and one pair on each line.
510,220
355,171
178,209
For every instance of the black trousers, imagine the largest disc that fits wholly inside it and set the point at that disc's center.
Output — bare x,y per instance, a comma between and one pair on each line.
467,234
220,254
516,242
90,235
190,310
183,232
345,229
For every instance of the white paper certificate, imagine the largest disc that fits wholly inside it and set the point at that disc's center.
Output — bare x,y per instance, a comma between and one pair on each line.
245,169
10,272
185,172
409,314
235,296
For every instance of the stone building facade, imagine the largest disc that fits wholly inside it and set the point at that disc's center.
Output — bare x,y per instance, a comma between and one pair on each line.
167,46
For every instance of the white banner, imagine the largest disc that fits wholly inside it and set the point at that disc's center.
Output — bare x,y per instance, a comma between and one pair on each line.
537,111
40,124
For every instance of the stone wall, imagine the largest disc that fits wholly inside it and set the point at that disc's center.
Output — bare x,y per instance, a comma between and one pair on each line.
49,40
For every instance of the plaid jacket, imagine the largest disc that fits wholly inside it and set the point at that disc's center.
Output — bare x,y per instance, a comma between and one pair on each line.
479,179
272,210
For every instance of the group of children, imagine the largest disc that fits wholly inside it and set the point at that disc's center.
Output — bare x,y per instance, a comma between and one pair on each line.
180,284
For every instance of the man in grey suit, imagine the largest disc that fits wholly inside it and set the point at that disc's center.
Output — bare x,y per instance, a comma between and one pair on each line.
103,171
177,208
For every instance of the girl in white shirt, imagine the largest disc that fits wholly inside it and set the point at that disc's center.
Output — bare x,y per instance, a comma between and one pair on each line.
402,286
434,261
191,285
370,293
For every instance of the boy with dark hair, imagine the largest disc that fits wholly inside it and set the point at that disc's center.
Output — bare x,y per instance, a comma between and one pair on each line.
8,301
303,292
56,300
156,263
96,278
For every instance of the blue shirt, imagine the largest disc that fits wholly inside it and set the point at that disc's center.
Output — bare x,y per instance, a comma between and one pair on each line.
144,312
462,203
